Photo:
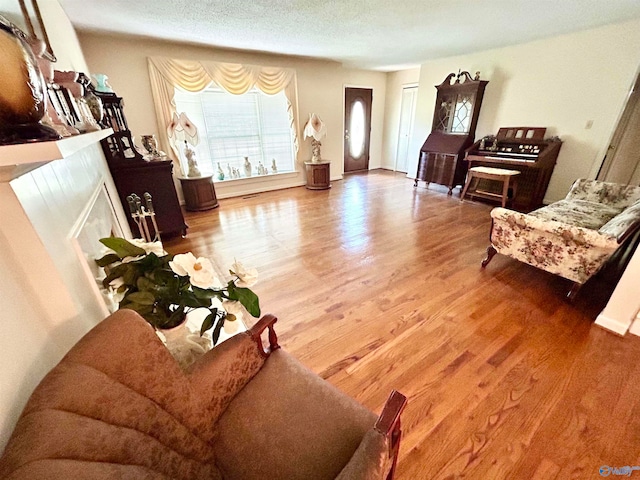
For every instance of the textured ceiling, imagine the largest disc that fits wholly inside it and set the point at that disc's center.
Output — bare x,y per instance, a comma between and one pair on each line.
373,34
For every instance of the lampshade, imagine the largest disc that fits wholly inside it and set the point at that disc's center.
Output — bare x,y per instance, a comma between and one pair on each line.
182,129
315,128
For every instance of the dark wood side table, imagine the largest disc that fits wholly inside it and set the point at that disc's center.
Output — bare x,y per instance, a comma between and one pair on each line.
318,175
138,176
199,193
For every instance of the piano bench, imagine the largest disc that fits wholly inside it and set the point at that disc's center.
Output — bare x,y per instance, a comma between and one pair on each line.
509,178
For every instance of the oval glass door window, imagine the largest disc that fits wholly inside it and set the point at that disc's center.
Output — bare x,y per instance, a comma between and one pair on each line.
356,129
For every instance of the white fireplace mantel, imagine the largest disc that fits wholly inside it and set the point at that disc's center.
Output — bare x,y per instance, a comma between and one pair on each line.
16,160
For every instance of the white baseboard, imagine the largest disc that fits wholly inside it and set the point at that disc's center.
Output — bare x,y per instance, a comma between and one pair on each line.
635,326
613,325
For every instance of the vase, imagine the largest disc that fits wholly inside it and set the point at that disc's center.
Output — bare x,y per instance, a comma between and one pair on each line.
102,85
150,144
184,344
247,167
95,105
22,91
316,156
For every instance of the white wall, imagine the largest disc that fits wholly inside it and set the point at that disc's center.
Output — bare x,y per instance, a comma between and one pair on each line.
62,37
624,304
559,83
395,83
47,304
320,90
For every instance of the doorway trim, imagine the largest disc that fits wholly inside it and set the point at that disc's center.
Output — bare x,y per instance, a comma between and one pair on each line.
402,87
601,168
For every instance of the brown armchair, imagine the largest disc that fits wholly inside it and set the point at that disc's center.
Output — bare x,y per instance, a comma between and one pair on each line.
119,406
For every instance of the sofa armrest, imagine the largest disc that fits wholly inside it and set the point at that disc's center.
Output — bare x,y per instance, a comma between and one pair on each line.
377,454
267,321
625,224
222,372
630,230
567,233
371,459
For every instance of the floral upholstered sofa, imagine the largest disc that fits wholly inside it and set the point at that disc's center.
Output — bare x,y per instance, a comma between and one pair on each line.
572,238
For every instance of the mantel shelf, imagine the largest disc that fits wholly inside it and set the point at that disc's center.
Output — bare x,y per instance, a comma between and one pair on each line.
16,160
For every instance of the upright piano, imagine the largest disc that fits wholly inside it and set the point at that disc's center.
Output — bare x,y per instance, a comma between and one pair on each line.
519,148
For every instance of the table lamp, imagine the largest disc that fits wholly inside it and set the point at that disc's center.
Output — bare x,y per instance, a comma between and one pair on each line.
181,129
316,129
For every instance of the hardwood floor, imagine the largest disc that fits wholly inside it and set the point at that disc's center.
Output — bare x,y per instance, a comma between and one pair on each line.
377,285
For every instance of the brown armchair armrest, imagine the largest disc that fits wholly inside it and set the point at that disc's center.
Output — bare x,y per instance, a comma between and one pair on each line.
389,419
266,321
388,424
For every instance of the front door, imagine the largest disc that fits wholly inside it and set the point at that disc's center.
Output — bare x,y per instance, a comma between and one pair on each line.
357,128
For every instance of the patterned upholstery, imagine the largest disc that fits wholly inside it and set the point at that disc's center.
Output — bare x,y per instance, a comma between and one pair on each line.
574,237
118,406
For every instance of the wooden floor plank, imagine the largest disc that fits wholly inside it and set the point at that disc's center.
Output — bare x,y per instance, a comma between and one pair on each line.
377,285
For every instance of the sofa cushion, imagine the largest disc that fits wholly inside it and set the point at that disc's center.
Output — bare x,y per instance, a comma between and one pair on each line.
619,224
579,213
613,194
306,412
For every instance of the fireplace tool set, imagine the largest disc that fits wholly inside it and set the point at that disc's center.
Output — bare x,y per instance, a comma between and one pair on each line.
141,214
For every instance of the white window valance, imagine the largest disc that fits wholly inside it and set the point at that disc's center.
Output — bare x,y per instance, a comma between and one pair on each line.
167,74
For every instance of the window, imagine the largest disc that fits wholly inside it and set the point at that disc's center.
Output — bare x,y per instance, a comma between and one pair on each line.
231,127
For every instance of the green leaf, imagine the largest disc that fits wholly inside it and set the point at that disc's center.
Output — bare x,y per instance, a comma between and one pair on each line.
113,273
205,293
176,318
122,247
143,298
150,262
143,310
247,298
108,259
216,331
145,285
157,318
208,321
190,300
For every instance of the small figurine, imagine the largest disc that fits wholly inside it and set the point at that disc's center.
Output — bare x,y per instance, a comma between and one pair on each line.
247,167
220,172
102,85
235,173
482,144
194,171
261,169
274,167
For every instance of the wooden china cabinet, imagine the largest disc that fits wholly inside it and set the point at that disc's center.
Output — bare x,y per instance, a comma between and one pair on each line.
132,174
453,130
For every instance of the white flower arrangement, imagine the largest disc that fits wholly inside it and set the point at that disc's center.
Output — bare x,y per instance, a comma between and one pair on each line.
163,288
